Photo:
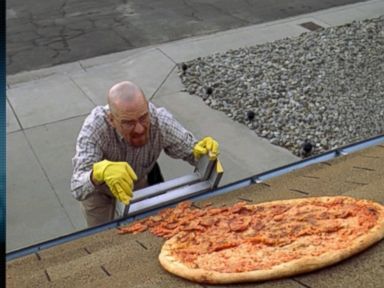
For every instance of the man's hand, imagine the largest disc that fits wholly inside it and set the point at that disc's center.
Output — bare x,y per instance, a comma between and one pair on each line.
206,146
119,177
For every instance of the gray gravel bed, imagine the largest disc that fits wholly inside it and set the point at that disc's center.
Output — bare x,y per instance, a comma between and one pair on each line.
325,86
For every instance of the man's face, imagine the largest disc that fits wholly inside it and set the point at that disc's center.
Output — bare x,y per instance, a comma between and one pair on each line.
132,121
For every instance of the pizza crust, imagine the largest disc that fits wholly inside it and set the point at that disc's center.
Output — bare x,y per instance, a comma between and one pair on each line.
293,267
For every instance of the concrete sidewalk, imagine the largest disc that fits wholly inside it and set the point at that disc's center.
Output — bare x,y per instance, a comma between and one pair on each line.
46,108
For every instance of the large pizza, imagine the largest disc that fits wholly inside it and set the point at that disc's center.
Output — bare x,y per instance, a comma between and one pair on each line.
245,243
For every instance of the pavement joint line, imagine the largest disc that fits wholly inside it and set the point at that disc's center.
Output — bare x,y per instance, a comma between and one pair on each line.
134,56
14,113
82,67
53,122
162,83
82,91
166,55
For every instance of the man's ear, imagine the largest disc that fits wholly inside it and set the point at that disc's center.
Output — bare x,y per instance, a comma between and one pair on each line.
111,120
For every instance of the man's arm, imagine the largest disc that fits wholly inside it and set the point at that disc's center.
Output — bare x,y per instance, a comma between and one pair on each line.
178,141
91,170
88,152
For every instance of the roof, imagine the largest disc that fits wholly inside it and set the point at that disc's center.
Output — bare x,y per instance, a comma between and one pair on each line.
107,259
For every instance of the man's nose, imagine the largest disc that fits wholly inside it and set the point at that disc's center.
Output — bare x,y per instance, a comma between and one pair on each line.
139,128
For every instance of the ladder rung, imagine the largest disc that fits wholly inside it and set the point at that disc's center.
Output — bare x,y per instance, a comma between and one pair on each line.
161,188
167,198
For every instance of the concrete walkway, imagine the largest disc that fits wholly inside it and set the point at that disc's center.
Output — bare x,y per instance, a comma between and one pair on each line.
46,108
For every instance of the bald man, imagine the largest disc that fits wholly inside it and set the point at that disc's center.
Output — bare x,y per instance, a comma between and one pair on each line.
118,146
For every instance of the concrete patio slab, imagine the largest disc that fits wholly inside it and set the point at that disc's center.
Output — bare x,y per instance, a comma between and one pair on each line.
148,69
111,58
241,149
34,213
48,100
375,9
192,48
65,69
172,84
340,16
173,168
53,144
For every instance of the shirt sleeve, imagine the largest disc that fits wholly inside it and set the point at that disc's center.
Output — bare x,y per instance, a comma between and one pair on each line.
88,151
178,141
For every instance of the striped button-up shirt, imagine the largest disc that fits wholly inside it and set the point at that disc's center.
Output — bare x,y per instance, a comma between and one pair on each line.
98,140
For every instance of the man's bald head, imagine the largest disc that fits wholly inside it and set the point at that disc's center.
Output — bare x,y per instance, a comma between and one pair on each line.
129,113
123,94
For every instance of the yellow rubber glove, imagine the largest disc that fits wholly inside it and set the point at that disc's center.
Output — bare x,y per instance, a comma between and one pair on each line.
119,177
206,146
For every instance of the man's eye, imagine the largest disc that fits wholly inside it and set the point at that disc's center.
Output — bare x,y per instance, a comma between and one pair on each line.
128,123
